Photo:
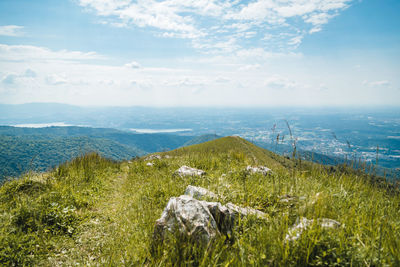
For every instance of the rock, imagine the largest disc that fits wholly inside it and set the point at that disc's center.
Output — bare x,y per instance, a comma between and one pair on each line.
290,199
187,216
198,220
153,157
149,164
188,171
246,211
296,231
199,192
260,169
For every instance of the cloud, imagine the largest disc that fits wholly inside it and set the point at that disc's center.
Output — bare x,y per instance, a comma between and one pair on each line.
12,78
250,67
9,79
381,83
55,79
34,53
280,83
222,79
30,73
11,30
222,25
133,65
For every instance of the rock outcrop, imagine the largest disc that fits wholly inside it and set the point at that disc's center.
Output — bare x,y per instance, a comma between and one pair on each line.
258,169
188,171
198,220
296,231
153,157
188,216
199,192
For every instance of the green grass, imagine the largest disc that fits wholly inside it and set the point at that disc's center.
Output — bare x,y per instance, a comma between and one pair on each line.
92,211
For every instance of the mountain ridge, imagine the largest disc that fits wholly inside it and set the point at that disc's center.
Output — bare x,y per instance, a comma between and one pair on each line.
91,210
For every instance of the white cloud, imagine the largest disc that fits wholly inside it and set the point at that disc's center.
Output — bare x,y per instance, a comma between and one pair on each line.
284,22
30,73
250,67
9,79
277,82
32,53
133,65
381,83
11,30
13,78
56,79
222,79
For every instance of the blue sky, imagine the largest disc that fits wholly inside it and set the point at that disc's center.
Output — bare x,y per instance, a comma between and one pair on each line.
201,52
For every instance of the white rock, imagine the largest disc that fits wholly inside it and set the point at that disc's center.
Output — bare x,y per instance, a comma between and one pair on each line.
199,192
188,216
188,171
296,231
246,211
201,221
149,164
259,169
153,157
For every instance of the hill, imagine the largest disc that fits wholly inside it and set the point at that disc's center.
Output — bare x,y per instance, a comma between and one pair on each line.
38,149
40,153
92,211
201,139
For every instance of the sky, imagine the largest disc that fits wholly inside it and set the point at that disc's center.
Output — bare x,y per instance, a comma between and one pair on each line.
227,53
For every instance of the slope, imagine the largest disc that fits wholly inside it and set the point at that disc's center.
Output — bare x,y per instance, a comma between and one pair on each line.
19,154
91,211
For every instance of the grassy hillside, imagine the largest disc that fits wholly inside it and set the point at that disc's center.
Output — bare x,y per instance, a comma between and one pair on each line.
91,211
146,142
20,154
38,149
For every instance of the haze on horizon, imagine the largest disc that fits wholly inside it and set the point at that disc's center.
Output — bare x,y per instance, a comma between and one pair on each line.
259,53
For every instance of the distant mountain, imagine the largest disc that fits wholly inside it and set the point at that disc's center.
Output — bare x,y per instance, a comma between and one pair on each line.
38,149
201,139
19,154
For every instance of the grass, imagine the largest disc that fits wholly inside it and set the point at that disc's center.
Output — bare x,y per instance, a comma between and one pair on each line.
92,211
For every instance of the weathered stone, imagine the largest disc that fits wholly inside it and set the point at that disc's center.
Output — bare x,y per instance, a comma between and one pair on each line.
150,164
199,192
188,171
259,169
188,216
296,231
246,211
199,220
153,157
290,199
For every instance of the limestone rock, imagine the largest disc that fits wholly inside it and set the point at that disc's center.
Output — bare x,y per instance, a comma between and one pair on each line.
259,169
153,157
199,220
199,192
245,211
296,231
188,216
150,164
188,171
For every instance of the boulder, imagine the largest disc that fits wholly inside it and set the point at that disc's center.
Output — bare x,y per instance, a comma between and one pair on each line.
188,216
150,164
153,157
246,211
296,231
188,171
199,192
258,169
200,221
